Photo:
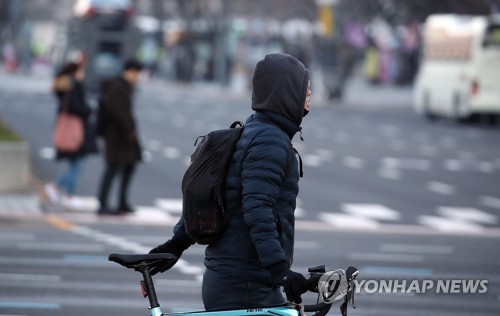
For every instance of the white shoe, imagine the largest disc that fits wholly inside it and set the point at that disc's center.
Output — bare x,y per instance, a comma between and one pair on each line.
52,193
71,203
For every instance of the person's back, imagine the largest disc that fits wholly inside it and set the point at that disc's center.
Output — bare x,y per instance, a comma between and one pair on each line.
254,254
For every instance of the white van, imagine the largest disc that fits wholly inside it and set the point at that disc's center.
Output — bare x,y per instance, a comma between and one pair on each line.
459,75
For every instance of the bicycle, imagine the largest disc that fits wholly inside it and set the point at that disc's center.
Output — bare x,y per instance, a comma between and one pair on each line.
331,286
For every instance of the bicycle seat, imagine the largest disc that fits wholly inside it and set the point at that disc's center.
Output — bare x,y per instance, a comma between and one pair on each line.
133,261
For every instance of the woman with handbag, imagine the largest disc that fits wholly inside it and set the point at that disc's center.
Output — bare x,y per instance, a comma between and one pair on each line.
70,131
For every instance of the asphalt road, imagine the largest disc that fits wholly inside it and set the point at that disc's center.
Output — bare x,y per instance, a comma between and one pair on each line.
383,190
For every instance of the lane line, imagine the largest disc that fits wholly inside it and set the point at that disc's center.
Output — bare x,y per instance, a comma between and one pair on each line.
347,220
112,240
312,160
171,152
441,188
60,247
423,249
170,205
490,201
389,173
30,305
59,223
386,257
354,162
371,211
467,214
16,277
450,225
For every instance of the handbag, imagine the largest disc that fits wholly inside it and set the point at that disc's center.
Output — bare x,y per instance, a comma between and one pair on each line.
68,132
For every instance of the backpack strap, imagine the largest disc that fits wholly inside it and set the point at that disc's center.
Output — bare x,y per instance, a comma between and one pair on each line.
236,123
301,173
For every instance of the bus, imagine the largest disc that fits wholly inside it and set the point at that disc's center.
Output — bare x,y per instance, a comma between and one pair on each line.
458,77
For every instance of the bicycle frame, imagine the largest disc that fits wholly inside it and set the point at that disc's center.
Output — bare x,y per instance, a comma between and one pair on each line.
150,292
265,311
142,263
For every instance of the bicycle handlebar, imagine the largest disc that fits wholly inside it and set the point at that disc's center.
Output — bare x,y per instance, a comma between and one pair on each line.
322,308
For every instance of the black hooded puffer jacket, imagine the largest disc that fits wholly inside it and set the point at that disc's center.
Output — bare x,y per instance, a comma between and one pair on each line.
262,183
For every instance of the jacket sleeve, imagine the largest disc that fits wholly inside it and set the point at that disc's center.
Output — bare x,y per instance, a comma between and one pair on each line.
78,103
119,109
263,171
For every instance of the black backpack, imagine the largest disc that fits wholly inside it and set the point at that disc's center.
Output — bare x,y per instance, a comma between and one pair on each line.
203,185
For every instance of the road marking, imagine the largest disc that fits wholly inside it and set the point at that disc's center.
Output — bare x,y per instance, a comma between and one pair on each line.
170,205
354,162
15,277
151,213
486,167
441,188
299,211
467,214
490,201
86,259
371,211
171,152
325,154
31,305
112,240
60,247
154,145
450,225
347,220
389,173
415,164
453,165
424,249
147,156
60,223
47,153
312,160
386,257
374,270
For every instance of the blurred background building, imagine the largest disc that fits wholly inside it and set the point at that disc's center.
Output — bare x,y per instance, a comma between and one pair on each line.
221,40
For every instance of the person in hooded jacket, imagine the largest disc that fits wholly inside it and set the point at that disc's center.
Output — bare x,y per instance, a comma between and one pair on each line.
70,93
253,257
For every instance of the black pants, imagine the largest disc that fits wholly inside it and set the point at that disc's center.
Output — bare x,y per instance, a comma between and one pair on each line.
126,171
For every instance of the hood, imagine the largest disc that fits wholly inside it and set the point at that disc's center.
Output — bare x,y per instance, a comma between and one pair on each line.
62,84
280,85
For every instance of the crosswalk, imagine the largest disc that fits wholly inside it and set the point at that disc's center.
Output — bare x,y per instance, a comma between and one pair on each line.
356,216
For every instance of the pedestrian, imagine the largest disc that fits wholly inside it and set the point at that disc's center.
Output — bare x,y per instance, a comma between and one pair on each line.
253,256
70,93
118,128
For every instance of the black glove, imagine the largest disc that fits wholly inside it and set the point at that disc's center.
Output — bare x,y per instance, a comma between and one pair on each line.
168,247
292,282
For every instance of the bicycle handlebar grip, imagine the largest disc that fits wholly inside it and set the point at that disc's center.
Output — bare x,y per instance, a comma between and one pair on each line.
312,282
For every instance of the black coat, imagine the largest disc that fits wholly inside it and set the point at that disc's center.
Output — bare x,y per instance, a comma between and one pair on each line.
119,128
71,96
